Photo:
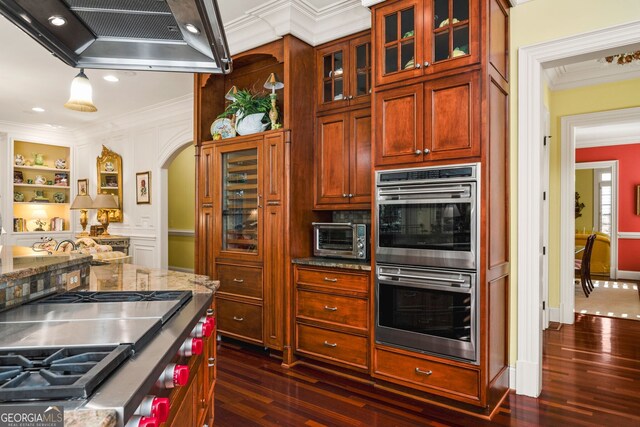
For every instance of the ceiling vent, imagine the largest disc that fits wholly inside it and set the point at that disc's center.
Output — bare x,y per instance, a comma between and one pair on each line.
152,35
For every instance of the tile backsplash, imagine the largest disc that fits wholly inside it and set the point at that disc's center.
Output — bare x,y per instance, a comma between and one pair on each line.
356,217
19,291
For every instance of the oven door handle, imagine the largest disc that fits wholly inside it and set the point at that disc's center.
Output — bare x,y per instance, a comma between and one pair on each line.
435,279
427,286
416,191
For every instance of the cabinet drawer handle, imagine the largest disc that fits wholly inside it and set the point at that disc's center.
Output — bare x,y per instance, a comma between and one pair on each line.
212,362
328,344
238,280
326,279
421,372
240,319
207,205
326,307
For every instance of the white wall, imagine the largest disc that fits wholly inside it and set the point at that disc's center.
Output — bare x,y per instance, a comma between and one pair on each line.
145,139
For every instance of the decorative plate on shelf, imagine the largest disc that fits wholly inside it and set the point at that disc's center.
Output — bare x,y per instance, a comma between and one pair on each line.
224,128
58,197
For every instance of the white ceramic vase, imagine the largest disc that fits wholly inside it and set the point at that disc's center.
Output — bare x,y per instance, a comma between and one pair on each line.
250,124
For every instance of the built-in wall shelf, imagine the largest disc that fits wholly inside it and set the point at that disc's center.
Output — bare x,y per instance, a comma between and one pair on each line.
41,168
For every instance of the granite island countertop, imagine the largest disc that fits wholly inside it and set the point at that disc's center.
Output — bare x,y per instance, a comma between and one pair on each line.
131,277
349,264
17,262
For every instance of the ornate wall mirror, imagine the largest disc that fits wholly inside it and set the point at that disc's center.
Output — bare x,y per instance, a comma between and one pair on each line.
109,181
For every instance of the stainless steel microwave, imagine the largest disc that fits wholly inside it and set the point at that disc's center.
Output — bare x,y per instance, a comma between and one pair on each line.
341,240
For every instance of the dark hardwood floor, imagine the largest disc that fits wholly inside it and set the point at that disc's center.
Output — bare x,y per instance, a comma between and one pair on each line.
591,377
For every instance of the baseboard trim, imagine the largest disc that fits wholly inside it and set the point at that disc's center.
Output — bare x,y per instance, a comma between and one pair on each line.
629,275
512,377
528,380
554,314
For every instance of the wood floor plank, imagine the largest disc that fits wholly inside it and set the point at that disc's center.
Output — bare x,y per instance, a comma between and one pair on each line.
591,377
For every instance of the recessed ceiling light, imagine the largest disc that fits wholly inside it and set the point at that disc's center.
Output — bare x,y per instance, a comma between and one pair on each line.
57,20
192,29
38,109
111,78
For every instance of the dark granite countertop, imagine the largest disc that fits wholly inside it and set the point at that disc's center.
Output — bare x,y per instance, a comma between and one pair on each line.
130,277
334,263
17,262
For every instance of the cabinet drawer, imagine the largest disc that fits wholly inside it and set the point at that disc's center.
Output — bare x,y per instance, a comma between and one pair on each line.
332,308
335,346
239,318
334,279
439,377
240,280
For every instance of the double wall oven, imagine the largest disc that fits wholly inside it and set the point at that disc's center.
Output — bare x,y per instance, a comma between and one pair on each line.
426,259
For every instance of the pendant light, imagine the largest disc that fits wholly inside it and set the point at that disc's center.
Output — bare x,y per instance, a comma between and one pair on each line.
80,98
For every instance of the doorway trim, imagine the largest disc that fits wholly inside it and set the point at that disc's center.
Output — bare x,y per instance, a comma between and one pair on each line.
530,61
569,124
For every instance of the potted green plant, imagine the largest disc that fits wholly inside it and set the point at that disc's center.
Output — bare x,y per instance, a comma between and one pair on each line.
251,111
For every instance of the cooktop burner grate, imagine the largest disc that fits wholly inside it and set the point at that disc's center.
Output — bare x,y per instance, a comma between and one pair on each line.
119,296
57,373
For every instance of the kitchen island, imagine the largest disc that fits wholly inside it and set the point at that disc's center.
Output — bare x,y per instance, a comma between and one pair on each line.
155,353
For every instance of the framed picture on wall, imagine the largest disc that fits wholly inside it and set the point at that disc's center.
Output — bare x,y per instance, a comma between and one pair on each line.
83,187
143,188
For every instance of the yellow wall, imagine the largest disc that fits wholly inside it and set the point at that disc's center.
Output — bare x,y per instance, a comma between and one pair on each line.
584,187
536,22
182,202
588,99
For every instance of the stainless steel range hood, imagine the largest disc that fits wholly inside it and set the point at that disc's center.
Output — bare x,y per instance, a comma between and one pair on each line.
152,35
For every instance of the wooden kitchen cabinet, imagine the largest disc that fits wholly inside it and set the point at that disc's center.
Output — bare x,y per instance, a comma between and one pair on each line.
413,38
343,160
454,111
332,315
435,120
204,222
343,72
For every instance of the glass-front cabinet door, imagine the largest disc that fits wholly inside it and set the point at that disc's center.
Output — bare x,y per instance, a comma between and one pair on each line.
360,88
240,187
399,41
334,82
453,34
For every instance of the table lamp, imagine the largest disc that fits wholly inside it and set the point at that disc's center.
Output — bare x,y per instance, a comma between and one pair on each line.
273,84
40,218
83,202
105,202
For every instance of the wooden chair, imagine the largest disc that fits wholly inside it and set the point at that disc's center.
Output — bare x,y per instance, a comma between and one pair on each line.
583,266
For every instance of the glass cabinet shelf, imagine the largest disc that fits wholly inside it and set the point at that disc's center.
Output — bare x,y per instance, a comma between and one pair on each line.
240,201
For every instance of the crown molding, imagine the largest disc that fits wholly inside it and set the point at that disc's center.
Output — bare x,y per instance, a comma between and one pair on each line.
312,25
589,73
173,110
40,132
